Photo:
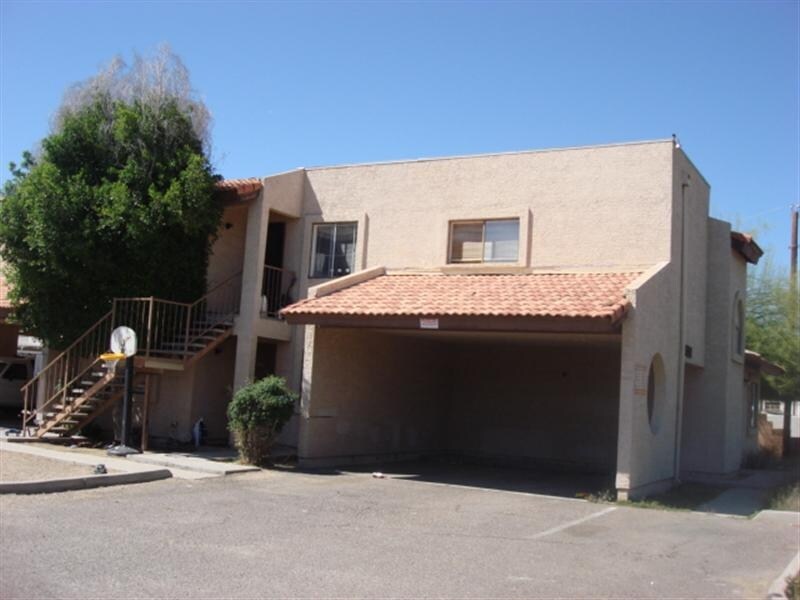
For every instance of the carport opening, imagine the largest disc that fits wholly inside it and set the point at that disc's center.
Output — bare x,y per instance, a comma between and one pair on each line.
505,410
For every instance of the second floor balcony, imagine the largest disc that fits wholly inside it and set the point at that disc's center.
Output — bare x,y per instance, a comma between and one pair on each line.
276,291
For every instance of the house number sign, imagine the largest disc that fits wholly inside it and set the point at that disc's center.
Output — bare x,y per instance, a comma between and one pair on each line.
429,323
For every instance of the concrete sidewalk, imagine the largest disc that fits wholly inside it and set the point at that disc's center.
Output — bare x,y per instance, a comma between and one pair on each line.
747,493
182,467
213,462
127,473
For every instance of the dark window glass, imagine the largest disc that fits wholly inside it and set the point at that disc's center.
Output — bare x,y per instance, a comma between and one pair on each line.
334,250
15,372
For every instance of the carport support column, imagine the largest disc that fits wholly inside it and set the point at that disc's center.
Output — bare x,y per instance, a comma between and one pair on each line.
305,391
625,426
250,305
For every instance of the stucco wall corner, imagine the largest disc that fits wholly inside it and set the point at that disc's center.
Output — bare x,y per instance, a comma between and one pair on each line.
646,444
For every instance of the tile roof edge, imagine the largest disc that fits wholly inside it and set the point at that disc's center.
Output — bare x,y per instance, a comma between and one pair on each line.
522,271
335,285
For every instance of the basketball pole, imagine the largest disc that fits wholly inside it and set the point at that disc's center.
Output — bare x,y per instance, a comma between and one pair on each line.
127,400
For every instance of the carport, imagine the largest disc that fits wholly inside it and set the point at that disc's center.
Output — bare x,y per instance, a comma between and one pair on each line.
515,369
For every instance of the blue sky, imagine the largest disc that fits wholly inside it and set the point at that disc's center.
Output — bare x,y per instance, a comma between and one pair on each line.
306,84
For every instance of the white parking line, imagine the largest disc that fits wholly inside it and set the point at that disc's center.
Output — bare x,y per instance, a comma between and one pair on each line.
569,524
473,488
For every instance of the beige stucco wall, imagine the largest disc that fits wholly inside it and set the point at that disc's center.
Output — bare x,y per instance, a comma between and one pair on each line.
227,253
213,387
597,207
691,194
714,417
378,394
169,410
583,208
645,454
736,406
372,395
547,401
281,199
179,398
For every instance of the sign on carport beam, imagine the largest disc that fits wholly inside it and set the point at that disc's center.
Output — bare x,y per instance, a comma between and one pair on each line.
429,323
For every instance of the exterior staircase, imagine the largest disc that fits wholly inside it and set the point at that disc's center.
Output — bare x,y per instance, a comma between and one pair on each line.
78,385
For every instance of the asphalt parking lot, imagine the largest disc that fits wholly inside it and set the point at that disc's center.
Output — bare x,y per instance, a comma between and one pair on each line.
288,534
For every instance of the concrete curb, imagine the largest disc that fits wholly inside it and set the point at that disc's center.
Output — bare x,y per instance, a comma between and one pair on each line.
787,514
48,486
777,591
191,463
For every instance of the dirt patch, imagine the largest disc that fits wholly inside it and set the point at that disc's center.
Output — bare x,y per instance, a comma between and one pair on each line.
16,466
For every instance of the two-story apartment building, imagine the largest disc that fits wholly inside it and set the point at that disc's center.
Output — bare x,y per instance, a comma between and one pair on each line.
575,307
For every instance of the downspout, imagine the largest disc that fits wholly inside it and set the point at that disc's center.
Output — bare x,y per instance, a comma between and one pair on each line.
681,341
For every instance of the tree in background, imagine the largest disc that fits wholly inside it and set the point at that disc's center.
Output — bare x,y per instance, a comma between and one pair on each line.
118,201
773,328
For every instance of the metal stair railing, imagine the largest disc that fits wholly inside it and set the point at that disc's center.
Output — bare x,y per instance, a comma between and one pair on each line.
175,330
53,382
66,406
164,329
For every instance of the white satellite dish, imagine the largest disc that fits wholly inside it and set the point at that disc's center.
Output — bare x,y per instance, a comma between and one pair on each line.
123,341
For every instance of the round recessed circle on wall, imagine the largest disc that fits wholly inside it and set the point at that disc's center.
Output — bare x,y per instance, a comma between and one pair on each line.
655,393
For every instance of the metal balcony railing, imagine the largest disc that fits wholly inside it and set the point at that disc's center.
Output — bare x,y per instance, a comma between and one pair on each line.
275,291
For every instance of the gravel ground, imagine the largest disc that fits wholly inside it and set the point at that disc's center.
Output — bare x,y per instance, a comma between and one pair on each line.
16,466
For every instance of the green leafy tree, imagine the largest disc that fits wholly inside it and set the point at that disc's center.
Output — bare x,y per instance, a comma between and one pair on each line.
773,328
117,202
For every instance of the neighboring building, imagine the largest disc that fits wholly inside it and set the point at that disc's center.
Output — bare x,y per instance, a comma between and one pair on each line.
773,411
8,331
575,307
755,367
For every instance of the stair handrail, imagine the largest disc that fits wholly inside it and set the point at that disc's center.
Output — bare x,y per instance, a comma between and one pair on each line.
67,367
233,308
62,362
62,393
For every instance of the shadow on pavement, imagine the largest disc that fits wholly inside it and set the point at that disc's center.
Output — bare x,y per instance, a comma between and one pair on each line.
549,482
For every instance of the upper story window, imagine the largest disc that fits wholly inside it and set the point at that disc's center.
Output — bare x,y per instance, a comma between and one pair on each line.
333,251
495,240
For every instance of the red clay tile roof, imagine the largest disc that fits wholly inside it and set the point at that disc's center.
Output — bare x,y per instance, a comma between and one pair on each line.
587,295
745,245
756,361
239,189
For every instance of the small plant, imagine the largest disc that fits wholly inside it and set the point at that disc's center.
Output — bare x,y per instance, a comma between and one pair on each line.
601,496
785,498
793,587
256,416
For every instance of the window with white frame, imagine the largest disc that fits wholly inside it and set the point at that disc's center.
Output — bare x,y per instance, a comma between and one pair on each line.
491,240
333,250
